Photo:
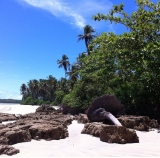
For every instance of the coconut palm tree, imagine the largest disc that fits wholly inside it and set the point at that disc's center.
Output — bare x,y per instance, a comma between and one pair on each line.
62,85
79,64
42,89
30,87
64,62
33,88
52,86
23,90
87,36
36,88
73,74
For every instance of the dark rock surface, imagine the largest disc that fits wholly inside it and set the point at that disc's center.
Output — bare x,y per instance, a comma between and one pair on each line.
45,108
2,126
153,124
8,150
47,124
82,118
118,134
58,117
50,124
141,123
111,133
75,117
14,136
93,129
7,117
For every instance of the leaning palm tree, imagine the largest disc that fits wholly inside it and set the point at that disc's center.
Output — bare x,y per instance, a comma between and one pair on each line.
87,36
64,63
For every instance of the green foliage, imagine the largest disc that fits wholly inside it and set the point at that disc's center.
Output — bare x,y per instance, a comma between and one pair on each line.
70,100
59,95
77,97
132,58
44,91
126,65
31,101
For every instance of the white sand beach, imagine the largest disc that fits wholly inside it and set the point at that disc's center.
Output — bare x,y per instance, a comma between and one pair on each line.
82,145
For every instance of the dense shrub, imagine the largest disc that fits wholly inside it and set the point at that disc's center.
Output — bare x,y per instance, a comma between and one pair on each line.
59,95
31,101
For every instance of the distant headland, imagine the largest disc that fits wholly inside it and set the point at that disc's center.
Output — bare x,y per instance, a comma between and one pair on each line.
10,101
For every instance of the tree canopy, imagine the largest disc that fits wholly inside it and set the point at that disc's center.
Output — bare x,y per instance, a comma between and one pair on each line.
125,65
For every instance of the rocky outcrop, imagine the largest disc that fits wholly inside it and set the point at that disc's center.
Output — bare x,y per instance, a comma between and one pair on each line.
141,123
48,132
14,136
153,124
111,133
118,134
26,129
58,117
45,108
7,117
82,118
47,128
93,129
48,124
75,117
8,150
2,126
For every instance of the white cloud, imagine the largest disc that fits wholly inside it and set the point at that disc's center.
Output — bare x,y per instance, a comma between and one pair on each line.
75,12
59,9
10,95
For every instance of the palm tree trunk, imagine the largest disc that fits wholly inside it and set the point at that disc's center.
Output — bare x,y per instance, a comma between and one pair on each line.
112,119
86,43
101,115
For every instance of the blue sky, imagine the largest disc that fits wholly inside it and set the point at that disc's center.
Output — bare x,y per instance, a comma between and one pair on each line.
35,33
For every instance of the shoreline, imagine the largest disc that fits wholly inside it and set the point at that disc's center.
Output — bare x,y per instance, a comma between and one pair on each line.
83,145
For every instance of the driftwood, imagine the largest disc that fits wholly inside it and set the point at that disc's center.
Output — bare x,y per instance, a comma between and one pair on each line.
105,108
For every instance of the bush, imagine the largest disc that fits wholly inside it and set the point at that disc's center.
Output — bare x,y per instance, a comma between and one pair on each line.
29,101
59,95
71,100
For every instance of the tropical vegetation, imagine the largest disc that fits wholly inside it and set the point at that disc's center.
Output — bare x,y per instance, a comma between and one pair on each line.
125,65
